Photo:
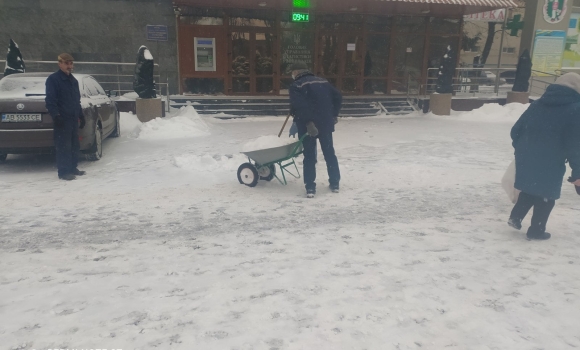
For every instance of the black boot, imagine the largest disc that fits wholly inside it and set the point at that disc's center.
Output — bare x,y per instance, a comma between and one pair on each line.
535,233
78,172
515,223
67,177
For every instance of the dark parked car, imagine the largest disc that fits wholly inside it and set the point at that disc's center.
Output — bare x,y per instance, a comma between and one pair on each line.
26,126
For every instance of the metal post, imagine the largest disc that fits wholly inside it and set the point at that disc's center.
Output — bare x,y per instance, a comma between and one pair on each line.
118,81
500,52
167,91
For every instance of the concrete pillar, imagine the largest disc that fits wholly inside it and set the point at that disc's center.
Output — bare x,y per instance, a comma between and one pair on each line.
518,97
534,20
440,104
148,109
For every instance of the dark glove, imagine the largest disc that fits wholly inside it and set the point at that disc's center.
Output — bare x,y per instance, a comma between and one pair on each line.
83,121
58,121
311,129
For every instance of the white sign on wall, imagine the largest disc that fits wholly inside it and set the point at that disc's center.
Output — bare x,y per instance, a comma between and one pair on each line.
488,16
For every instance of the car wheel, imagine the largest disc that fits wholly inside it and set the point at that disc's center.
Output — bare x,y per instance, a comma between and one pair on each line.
96,151
117,131
3,157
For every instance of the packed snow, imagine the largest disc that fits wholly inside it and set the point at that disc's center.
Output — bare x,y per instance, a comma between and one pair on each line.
159,246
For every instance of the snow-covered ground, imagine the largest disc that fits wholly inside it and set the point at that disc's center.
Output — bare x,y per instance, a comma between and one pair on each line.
159,246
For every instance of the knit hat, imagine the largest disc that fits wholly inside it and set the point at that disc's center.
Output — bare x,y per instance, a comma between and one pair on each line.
298,66
571,80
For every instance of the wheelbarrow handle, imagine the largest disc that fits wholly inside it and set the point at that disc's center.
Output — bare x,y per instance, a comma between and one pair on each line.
283,126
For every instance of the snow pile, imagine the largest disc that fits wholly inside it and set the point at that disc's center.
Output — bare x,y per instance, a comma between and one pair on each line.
265,142
130,96
493,112
186,124
206,162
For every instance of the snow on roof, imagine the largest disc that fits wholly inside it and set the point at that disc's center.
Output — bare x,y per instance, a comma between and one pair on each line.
22,84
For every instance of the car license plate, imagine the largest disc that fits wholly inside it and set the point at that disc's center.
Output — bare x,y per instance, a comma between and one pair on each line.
21,118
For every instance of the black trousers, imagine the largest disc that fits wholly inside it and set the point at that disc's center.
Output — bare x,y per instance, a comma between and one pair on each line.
66,142
542,209
327,147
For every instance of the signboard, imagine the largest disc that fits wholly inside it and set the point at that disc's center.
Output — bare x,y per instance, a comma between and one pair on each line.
300,17
157,33
548,50
572,50
488,16
297,47
350,47
554,10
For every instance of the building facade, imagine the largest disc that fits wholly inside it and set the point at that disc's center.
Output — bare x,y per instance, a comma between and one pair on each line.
363,47
244,47
92,31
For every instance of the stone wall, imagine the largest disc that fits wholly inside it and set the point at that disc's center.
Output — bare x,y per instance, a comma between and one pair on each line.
91,30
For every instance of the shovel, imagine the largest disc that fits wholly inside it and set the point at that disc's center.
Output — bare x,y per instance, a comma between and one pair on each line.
283,126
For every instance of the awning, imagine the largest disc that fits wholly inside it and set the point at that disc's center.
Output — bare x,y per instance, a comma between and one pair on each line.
486,3
435,8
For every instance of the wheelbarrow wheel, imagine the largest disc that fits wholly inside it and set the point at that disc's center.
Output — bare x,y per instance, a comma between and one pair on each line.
267,173
248,175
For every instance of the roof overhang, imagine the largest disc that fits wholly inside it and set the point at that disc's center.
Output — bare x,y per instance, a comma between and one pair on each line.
438,8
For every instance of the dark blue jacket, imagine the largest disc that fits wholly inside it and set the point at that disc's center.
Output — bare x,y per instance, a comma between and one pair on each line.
545,136
314,99
63,97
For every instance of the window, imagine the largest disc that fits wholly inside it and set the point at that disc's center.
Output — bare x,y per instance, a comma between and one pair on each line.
511,50
90,87
98,87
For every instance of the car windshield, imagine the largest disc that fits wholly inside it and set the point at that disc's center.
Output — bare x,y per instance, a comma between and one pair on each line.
23,85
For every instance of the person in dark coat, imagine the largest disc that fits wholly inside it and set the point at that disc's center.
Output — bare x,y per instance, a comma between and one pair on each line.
545,137
315,104
63,101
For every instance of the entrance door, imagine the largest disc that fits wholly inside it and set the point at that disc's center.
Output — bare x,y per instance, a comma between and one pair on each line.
251,62
340,60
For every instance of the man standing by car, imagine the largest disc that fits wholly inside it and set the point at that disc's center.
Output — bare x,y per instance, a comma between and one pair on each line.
63,101
315,104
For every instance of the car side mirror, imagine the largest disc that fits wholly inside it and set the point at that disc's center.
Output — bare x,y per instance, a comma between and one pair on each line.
108,93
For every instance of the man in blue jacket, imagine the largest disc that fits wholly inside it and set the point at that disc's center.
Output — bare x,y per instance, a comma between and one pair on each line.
545,137
315,104
63,101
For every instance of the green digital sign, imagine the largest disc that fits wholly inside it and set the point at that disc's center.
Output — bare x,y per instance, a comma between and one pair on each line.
301,4
300,17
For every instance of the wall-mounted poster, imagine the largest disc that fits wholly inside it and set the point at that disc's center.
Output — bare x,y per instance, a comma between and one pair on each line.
548,51
554,10
297,47
572,50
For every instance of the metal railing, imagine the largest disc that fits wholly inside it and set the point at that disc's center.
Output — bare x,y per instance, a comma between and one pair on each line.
114,76
485,82
472,82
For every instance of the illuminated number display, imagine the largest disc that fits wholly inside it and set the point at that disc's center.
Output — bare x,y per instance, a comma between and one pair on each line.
300,17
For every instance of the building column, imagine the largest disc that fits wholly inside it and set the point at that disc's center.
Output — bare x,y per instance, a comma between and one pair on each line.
534,20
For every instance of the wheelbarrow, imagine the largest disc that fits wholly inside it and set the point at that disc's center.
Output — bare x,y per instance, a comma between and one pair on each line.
261,164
